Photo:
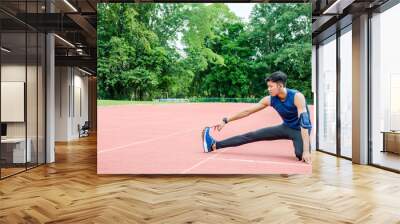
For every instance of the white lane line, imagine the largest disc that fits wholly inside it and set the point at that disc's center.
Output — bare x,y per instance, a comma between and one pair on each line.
214,157
262,161
203,161
147,140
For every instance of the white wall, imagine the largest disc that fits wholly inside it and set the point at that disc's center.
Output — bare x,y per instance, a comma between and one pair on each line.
80,83
33,127
70,83
62,81
16,73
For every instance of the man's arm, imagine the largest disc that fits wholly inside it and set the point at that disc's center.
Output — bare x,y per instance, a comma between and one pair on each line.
305,124
263,103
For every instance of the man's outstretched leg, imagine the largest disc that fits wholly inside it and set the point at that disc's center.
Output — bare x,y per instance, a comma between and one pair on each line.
264,134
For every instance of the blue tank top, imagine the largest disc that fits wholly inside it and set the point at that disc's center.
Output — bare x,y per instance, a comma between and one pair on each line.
287,110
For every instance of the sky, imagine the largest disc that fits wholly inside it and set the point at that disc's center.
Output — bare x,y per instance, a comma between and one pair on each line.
242,10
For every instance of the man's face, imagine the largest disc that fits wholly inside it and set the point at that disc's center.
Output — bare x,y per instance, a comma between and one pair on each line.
274,88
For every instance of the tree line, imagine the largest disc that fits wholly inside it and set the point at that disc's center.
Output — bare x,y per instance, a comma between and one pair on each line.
148,51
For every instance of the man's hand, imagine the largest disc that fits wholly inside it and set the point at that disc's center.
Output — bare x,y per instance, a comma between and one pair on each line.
219,126
306,157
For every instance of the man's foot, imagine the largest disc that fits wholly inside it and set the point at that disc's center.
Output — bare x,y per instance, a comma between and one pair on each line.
208,140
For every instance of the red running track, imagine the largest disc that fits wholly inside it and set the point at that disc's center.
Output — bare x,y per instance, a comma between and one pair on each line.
166,139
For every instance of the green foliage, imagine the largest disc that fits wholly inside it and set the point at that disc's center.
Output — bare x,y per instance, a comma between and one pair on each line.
148,51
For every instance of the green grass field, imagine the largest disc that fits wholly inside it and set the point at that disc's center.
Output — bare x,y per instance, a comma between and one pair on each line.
198,100
190,100
125,102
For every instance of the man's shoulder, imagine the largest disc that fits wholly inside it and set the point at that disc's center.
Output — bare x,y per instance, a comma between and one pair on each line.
296,92
299,98
267,100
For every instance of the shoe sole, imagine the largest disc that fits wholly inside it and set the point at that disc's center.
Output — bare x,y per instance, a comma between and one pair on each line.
204,140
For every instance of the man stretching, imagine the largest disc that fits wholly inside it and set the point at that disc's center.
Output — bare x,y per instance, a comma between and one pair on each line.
292,108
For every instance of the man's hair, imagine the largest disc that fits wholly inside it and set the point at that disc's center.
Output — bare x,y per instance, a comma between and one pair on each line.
277,77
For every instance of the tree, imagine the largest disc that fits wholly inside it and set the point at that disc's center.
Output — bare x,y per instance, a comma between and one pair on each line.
146,50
